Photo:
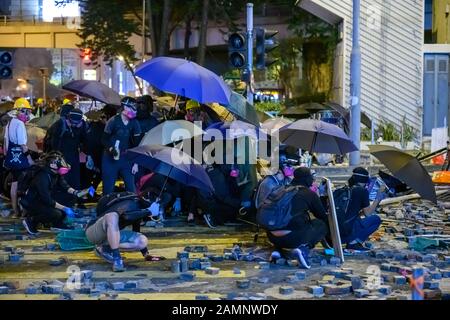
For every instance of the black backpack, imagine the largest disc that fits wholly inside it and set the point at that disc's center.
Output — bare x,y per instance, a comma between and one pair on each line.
25,179
47,146
275,212
128,204
342,198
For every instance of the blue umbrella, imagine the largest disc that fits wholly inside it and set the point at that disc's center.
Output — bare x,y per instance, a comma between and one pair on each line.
172,163
185,78
316,136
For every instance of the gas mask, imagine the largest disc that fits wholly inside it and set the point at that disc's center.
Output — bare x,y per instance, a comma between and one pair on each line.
129,113
23,115
288,171
62,167
234,172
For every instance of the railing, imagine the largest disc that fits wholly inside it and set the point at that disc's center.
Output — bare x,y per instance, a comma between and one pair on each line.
6,20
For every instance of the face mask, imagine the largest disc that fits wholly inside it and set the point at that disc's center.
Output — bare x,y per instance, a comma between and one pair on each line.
63,170
190,117
23,117
288,171
130,114
314,188
234,173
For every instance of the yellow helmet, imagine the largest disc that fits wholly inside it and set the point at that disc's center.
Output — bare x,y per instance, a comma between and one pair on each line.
66,101
22,103
192,104
40,100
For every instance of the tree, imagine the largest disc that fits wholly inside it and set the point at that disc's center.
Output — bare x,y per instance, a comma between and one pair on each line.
203,33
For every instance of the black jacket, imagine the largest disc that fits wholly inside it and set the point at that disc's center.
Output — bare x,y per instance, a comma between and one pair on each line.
304,203
222,188
41,187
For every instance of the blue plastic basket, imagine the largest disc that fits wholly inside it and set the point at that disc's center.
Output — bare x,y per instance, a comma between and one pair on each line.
72,240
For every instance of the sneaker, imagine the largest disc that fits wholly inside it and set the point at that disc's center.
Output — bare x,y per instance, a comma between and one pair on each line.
106,255
29,226
301,254
357,247
209,220
274,256
191,222
118,265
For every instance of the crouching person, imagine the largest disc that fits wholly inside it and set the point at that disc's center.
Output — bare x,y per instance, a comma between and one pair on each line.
356,215
38,202
298,233
115,212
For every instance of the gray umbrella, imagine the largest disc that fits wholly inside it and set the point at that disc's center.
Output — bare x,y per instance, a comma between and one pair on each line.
316,136
94,90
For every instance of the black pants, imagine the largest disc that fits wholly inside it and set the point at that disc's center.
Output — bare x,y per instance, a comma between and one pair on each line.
45,215
221,212
309,234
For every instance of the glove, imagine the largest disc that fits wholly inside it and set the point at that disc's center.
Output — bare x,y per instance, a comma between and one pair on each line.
69,212
177,205
84,192
246,204
113,152
134,169
90,163
154,209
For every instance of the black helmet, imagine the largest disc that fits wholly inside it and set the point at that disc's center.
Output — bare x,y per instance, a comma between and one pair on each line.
65,109
75,115
129,102
56,157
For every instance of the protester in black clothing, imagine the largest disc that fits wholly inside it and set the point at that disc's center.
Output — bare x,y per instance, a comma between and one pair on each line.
69,136
38,202
356,229
302,233
143,115
221,206
121,133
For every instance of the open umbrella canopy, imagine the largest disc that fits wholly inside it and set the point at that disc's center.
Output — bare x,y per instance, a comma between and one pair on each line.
185,78
241,109
345,113
6,106
297,112
171,131
232,130
45,121
316,136
172,163
407,169
274,124
94,90
218,113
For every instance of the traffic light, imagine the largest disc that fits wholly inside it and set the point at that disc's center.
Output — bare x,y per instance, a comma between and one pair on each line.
264,44
237,51
87,56
6,65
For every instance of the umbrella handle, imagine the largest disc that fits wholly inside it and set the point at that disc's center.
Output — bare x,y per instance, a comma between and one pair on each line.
175,102
165,182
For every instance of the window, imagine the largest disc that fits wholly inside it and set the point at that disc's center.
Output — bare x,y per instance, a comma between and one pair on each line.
428,27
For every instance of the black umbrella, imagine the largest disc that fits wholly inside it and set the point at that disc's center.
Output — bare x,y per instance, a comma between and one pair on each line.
316,136
407,169
172,163
94,90
301,111
345,113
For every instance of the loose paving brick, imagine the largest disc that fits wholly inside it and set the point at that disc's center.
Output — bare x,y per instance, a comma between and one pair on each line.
187,276
212,271
243,284
317,291
286,290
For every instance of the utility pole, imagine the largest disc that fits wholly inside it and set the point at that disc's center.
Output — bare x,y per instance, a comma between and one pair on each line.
143,29
355,86
250,52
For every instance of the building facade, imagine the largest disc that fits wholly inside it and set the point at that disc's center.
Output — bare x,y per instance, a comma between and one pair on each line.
391,49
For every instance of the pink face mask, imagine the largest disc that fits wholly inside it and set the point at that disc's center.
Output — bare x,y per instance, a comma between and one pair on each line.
62,171
314,188
130,114
234,173
288,171
23,117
